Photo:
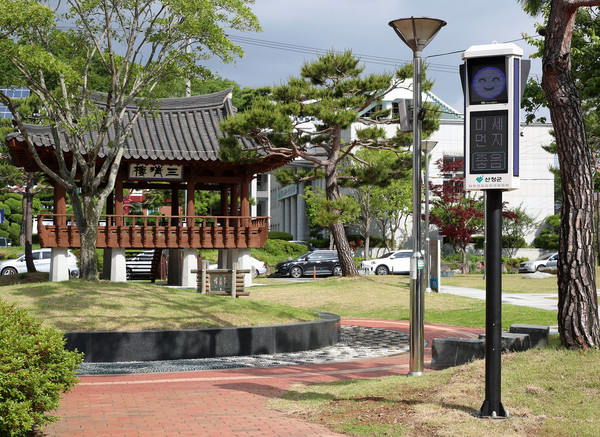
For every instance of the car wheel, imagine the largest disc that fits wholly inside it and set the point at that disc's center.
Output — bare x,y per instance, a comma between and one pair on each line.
382,270
74,274
337,271
9,271
255,273
296,272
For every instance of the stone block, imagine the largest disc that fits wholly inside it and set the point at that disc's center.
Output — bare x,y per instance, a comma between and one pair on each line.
539,335
454,351
513,342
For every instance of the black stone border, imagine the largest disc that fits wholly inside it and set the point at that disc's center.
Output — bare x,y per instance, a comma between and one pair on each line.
110,347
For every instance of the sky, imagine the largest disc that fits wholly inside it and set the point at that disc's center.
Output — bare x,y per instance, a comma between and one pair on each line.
294,32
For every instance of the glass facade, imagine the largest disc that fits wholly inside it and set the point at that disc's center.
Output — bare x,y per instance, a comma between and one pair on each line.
14,93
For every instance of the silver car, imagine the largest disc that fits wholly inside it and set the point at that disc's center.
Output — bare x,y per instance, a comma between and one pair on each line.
533,266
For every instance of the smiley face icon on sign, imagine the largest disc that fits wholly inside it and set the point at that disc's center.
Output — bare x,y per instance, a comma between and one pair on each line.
489,82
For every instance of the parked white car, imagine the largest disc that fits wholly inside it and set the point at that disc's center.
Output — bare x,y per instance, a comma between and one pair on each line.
260,268
41,261
397,262
533,266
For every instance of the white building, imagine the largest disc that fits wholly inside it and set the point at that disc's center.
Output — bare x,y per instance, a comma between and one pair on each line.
536,195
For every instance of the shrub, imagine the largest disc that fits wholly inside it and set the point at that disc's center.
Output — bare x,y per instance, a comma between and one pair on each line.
320,243
513,263
280,236
35,369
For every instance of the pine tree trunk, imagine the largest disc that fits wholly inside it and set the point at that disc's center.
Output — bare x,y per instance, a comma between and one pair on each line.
337,228
577,297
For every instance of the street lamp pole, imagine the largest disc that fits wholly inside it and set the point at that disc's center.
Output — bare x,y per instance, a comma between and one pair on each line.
428,146
416,33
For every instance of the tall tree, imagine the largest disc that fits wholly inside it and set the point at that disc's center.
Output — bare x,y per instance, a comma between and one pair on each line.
135,44
333,92
457,214
577,301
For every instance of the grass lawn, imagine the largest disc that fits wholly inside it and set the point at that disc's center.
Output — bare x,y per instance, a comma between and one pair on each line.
550,392
388,298
78,305
511,283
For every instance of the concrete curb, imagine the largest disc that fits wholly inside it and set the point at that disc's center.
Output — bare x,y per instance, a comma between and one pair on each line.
204,343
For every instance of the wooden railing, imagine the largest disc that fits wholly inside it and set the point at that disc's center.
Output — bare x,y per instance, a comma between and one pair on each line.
161,232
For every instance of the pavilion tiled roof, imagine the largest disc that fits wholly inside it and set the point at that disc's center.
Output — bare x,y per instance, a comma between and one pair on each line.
180,130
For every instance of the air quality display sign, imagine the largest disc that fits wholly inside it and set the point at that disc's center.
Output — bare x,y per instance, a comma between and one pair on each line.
488,148
487,80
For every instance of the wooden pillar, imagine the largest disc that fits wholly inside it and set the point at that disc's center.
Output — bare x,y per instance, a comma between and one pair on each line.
234,201
174,274
174,205
119,201
245,201
224,202
110,208
110,221
60,204
190,208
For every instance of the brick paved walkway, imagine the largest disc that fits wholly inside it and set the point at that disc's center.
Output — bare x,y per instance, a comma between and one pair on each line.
217,402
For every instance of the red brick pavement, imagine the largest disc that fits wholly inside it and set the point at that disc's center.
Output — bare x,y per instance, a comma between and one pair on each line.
217,402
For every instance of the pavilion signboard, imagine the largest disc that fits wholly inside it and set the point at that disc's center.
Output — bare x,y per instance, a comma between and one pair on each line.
155,172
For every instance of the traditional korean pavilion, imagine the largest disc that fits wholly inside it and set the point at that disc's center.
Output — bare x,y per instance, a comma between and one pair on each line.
175,148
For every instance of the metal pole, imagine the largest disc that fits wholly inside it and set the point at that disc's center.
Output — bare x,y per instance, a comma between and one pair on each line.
416,266
427,238
492,406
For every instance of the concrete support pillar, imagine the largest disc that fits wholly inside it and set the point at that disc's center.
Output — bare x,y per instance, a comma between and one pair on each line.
118,270
242,257
294,216
59,266
189,263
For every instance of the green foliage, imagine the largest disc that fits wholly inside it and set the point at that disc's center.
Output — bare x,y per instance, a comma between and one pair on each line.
34,370
332,92
550,235
479,242
513,263
276,250
145,58
455,261
322,212
512,242
276,235
516,223
12,205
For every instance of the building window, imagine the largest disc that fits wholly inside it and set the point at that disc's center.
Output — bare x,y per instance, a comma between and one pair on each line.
13,93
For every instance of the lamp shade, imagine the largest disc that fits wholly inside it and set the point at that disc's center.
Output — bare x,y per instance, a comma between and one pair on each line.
428,145
417,32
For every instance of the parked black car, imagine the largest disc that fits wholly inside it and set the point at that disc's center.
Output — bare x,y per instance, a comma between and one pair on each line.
320,262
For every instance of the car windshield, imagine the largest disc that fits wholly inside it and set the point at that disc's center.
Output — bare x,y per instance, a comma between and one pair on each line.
386,255
303,256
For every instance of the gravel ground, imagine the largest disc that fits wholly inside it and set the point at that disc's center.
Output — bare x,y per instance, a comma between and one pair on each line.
357,342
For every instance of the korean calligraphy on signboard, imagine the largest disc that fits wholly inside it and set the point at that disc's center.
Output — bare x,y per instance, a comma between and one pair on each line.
155,172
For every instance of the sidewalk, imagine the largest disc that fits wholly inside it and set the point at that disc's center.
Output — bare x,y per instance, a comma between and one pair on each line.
543,301
218,402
